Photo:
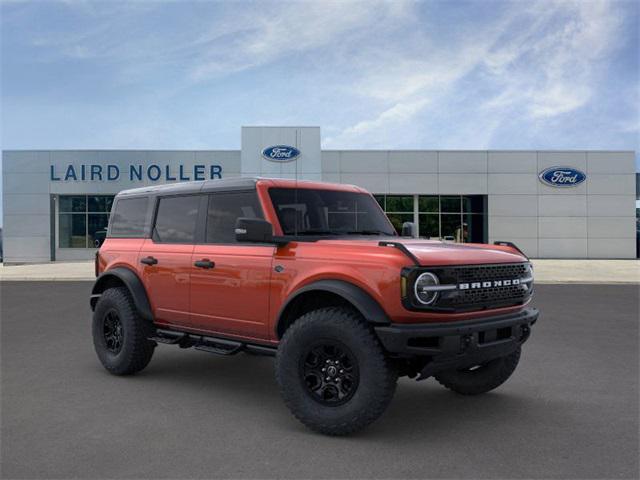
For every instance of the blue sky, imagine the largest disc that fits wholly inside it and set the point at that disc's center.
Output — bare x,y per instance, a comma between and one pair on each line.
446,75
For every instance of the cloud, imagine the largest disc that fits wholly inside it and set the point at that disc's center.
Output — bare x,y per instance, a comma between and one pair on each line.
383,74
263,37
539,60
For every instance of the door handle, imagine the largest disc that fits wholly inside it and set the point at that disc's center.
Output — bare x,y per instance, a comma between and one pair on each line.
204,263
149,260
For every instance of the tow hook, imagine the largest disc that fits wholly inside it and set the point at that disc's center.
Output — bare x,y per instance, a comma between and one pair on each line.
465,341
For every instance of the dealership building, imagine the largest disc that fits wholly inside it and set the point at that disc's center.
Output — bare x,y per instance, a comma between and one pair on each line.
552,204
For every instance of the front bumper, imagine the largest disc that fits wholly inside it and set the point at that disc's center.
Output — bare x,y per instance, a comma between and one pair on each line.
448,346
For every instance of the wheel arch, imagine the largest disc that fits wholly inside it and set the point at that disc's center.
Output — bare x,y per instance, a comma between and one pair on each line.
324,293
123,277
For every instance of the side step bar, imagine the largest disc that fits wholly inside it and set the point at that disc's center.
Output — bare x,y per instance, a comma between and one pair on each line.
219,346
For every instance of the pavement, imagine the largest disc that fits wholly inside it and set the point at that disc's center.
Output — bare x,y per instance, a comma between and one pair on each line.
569,411
545,270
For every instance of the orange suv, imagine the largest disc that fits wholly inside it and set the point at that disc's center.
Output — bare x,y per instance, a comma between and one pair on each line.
314,274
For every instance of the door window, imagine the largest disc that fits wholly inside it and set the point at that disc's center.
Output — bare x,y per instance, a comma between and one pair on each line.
224,209
176,219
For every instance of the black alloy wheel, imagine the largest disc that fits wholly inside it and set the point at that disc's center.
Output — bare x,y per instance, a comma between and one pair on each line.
330,373
112,332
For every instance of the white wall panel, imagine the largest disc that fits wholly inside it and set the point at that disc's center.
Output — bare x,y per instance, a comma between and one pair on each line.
612,227
26,249
562,227
356,161
513,227
413,183
513,183
26,225
562,247
374,182
611,205
330,161
407,161
599,184
513,205
612,248
32,161
562,159
562,205
25,204
462,162
462,184
611,162
26,183
513,162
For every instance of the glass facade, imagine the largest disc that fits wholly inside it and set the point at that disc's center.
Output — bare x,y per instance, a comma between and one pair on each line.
83,220
459,218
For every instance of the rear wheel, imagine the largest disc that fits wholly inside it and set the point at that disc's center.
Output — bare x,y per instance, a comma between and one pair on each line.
332,372
480,378
119,334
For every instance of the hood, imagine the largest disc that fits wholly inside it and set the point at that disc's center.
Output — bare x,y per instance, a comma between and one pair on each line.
429,252
435,252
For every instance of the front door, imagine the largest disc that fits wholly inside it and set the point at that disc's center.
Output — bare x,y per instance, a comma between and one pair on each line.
230,280
165,259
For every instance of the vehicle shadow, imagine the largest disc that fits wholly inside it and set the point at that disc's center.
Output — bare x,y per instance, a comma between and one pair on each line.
418,409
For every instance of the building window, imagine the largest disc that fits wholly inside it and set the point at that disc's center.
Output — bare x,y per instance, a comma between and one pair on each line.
399,209
460,218
83,220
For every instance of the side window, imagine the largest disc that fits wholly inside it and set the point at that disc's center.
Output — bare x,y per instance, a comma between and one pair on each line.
129,217
176,219
224,210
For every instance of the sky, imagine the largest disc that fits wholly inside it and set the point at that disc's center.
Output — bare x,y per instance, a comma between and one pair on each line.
375,74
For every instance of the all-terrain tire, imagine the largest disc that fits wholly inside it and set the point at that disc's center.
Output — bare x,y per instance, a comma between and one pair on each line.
481,379
135,350
370,393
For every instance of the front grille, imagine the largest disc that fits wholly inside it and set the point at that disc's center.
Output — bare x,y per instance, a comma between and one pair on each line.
489,272
476,294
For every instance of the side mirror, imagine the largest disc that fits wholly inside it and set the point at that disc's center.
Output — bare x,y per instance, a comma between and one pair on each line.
255,230
408,229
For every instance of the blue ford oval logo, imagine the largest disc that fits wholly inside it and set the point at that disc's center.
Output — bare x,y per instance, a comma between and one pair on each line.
281,153
562,177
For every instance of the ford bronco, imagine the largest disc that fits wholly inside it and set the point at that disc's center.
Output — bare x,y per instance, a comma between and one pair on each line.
315,274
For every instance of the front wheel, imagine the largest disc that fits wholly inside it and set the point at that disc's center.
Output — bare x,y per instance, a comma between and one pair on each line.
333,373
480,378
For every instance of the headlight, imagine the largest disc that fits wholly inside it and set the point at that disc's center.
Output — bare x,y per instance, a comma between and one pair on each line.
423,288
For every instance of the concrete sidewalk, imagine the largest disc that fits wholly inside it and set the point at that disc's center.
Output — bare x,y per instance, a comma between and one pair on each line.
545,271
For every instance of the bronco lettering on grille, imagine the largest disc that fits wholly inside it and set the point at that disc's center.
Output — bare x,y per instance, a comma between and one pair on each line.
488,284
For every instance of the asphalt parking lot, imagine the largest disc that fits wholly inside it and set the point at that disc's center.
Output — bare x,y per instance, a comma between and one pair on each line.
570,411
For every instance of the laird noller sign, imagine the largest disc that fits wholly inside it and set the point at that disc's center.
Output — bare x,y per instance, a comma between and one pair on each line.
134,173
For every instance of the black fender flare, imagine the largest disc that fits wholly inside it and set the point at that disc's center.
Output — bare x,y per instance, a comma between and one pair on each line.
368,307
132,282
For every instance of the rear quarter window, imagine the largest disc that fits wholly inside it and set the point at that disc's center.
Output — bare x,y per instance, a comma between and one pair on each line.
129,217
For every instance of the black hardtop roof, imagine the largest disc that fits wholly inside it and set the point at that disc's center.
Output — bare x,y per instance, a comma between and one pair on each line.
223,184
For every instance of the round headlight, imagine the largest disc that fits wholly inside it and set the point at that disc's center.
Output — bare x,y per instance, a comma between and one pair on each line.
423,293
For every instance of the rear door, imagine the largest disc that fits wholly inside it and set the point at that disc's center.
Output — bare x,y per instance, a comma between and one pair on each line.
165,258
230,280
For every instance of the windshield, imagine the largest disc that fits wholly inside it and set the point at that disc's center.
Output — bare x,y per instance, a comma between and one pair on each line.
328,212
